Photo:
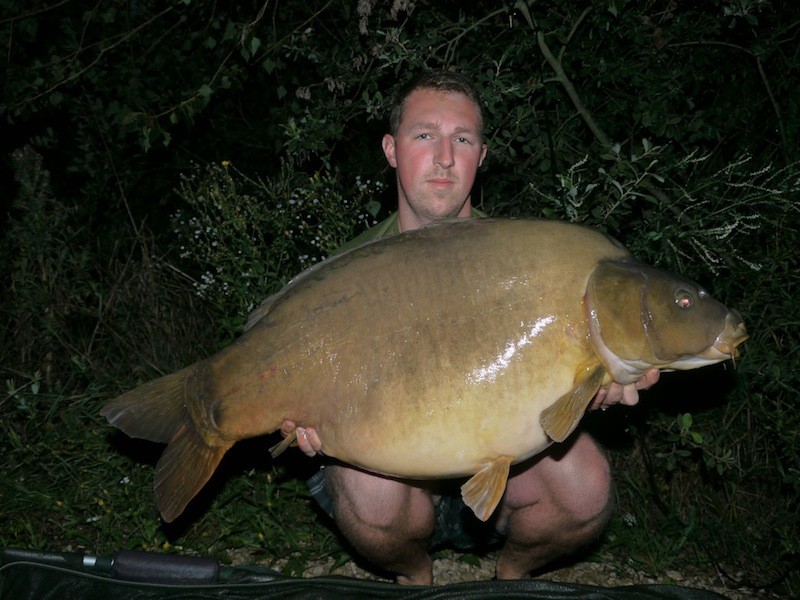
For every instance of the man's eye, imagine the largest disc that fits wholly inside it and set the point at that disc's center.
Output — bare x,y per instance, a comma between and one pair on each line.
424,136
464,140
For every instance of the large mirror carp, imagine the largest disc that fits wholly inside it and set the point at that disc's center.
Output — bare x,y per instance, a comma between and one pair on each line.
453,350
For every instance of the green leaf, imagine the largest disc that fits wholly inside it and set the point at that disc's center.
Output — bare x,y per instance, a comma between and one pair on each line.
255,44
205,90
685,421
145,139
230,31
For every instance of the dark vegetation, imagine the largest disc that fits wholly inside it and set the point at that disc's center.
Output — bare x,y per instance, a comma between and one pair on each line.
168,165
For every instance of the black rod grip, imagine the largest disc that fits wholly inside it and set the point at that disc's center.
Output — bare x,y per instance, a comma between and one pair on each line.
164,568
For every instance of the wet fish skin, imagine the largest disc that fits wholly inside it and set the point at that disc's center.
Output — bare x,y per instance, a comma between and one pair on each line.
453,350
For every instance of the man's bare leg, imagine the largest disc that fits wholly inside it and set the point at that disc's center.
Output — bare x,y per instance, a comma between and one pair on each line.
555,507
387,521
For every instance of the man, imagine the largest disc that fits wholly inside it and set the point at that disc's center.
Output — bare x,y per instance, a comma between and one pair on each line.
554,503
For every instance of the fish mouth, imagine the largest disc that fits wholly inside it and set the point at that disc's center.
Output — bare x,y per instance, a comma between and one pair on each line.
725,347
731,337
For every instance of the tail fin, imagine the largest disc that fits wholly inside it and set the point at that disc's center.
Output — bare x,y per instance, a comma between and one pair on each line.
153,411
157,411
183,469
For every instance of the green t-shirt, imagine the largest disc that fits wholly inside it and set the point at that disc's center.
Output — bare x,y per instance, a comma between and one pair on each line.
386,228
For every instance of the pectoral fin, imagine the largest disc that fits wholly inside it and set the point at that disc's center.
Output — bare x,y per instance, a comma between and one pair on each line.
482,492
277,449
560,419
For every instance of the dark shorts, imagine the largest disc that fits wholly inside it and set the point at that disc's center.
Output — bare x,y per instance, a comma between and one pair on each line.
456,526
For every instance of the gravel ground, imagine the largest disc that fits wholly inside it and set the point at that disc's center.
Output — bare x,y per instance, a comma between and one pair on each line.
450,569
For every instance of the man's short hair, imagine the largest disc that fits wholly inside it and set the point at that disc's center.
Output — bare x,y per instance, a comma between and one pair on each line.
442,81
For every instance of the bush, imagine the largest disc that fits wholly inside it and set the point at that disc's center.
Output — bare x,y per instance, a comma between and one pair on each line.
241,239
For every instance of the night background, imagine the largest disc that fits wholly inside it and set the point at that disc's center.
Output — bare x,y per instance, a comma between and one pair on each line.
168,165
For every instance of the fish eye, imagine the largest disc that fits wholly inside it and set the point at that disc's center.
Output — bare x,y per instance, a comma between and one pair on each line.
684,299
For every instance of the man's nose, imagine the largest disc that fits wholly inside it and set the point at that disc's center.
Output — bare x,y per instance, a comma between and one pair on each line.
443,156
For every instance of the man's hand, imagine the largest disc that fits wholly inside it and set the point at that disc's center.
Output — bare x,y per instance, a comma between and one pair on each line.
307,439
624,394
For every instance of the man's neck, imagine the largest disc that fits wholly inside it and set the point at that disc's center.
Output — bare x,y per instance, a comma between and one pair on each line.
408,220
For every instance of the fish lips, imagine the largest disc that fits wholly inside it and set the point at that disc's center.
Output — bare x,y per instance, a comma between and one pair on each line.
732,336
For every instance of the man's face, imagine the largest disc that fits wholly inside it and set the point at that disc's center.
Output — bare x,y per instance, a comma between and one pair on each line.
437,151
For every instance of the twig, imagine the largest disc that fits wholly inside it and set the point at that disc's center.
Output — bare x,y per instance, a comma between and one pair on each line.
451,43
33,13
250,26
100,55
572,31
194,96
137,230
277,43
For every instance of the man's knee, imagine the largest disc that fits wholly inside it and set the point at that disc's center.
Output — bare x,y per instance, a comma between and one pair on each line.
388,522
372,503
571,486
584,485
593,499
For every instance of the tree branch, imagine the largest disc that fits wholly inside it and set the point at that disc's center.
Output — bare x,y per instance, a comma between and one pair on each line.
565,82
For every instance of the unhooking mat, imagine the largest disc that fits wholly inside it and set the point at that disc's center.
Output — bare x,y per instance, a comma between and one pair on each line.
27,575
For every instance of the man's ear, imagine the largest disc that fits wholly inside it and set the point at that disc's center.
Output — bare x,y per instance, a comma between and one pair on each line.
389,149
484,150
